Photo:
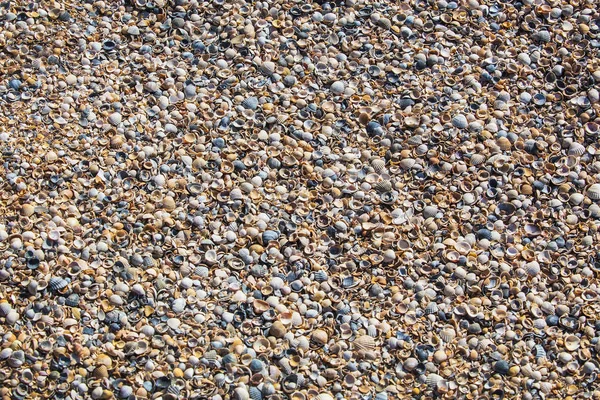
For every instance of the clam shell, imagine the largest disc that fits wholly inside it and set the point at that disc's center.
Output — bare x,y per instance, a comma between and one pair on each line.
447,334
433,380
324,396
477,159
365,343
383,186
431,308
593,192
572,342
378,165
267,68
576,149
57,283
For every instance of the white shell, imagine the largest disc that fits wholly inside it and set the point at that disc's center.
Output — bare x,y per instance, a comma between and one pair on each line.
593,191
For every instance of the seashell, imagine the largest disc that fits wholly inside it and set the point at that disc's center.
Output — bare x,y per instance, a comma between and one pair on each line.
378,165
477,159
593,192
319,337
572,342
433,380
251,103
365,343
447,334
267,68
539,351
460,122
57,283
320,276
383,186
255,393
407,163
324,396
432,308
576,149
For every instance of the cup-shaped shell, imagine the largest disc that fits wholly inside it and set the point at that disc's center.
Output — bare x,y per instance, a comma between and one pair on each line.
572,342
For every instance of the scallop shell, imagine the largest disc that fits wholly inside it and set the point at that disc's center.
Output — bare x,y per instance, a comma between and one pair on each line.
433,380
383,186
447,334
593,192
431,308
477,159
532,268
407,163
57,283
576,149
254,393
365,343
72,300
378,165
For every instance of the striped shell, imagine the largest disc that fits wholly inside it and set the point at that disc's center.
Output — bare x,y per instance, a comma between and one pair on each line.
254,393
211,355
174,390
433,380
477,159
365,342
229,358
320,276
384,23
539,351
348,282
324,396
372,331
407,163
431,308
593,191
378,165
250,103
57,283
383,186
447,334
72,300
576,149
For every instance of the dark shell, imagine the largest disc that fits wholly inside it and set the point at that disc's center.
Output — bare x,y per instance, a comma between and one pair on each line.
57,283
